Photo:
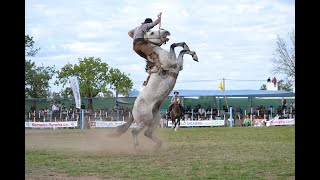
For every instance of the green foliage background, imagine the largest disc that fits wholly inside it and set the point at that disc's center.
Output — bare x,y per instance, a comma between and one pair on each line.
102,103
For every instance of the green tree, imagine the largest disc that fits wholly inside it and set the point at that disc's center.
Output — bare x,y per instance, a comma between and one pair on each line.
29,51
66,93
263,87
285,86
94,77
56,95
284,58
120,82
36,77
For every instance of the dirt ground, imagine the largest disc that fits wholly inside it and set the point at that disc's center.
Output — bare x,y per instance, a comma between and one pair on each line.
57,176
92,141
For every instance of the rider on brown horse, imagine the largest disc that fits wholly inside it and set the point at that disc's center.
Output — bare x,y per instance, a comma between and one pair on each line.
177,99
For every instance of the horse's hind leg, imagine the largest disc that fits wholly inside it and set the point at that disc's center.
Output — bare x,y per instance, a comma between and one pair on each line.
149,134
135,133
173,122
177,126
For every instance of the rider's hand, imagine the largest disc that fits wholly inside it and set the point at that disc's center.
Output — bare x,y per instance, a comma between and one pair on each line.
159,16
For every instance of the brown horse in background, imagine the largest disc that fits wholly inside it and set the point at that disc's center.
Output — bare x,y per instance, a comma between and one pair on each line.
176,116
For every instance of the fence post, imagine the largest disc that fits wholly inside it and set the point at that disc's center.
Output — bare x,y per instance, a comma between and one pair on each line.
230,116
82,118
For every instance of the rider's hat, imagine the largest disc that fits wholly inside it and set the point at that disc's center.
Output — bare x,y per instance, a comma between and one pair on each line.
176,92
148,20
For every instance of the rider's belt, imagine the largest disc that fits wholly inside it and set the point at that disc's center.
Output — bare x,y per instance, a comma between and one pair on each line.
137,40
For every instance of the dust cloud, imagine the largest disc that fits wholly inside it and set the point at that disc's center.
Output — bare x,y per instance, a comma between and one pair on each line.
89,141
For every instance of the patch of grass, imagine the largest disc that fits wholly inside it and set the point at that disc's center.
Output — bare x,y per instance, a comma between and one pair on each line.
191,153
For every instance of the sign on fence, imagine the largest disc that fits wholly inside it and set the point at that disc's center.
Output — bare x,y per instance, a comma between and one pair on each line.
109,124
51,124
280,122
199,123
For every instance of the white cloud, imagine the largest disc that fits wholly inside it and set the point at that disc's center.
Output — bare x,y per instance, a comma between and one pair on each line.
233,39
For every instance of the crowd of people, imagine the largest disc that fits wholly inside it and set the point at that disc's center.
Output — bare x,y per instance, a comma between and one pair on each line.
200,112
57,111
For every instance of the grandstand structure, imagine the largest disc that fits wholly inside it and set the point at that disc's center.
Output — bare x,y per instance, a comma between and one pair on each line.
218,94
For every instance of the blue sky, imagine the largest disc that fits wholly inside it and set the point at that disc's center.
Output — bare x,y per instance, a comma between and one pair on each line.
233,39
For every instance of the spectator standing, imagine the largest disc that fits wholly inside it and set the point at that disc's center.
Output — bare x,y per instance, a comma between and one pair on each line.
188,109
70,111
274,81
201,113
33,109
284,104
55,110
60,108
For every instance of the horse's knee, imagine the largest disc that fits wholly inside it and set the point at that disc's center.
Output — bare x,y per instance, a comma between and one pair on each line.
173,45
148,133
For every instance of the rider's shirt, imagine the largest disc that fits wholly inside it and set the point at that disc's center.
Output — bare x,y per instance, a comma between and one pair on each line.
176,99
138,32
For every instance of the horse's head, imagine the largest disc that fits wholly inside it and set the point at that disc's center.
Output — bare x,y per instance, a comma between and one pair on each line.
157,37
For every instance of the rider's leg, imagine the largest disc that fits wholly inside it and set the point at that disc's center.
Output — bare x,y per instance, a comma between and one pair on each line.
148,51
137,49
170,107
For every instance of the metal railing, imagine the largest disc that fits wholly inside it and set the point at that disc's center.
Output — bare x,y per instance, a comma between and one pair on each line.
56,116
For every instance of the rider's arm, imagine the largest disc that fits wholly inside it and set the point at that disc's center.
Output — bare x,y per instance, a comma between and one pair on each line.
172,99
158,20
182,101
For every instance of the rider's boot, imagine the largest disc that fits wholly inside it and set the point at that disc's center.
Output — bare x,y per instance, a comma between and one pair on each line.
155,59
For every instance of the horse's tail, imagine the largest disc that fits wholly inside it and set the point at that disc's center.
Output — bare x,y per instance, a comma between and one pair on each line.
123,128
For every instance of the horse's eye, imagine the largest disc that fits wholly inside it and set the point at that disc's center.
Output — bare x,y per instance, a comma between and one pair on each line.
151,33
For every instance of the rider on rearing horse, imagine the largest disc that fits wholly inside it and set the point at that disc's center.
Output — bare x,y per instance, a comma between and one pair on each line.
177,99
140,45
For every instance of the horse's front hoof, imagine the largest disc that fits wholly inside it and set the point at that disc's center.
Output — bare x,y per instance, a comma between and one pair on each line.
195,57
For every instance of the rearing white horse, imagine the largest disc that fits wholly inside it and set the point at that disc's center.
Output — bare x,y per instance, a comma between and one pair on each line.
161,81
